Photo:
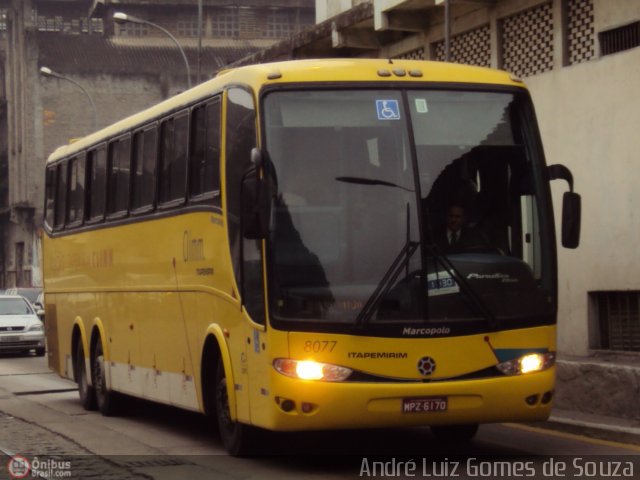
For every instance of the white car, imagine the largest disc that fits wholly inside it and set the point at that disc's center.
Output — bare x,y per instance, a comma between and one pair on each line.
20,328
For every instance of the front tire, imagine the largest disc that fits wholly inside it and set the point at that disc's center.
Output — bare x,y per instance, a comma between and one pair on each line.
236,437
40,352
105,398
87,392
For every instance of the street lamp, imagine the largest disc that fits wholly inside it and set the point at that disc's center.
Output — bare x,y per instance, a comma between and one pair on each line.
447,28
121,18
47,72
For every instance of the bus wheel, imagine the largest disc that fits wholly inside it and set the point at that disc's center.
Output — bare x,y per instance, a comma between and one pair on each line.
455,433
236,437
86,391
105,399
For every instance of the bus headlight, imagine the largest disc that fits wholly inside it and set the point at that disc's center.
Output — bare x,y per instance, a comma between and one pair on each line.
532,362
310,370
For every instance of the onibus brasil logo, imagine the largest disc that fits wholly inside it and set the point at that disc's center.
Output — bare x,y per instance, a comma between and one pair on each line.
20,467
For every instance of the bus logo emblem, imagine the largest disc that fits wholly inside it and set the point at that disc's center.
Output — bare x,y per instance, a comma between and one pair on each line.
426,366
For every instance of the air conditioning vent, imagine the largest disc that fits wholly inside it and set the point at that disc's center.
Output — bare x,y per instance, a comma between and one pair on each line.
620,39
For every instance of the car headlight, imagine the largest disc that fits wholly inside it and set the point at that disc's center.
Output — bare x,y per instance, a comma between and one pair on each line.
529,363
311,370
36,327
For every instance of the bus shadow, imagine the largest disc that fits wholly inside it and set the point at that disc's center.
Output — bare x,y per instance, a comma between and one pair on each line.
305,450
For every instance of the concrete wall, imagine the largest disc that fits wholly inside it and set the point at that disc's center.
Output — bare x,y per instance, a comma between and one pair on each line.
67,113
589,116
599,387
23,150
611,14
329,8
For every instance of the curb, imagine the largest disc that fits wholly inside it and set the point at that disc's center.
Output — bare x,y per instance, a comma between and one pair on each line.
593,426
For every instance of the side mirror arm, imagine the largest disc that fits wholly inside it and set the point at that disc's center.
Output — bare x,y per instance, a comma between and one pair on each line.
560,172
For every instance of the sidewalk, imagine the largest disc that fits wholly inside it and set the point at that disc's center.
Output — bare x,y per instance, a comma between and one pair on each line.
56,454
594,426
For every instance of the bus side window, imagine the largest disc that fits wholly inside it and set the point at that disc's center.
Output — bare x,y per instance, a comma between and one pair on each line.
173,159
204,162
96,186
61,196
118,176
50,194
75,196
145,153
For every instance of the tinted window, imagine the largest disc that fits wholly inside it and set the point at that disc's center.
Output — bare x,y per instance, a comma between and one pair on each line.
96,183
75,198
50,194
61,195
205,152
478,216
173,158
145,152
119,165
241,138
14,306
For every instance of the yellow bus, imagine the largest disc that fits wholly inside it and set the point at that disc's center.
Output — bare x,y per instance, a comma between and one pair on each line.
270,248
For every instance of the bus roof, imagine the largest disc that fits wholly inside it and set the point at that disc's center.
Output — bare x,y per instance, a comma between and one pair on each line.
303,71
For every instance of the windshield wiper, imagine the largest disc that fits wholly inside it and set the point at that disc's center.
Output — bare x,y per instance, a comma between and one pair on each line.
401,261
385,284
453,271
371,181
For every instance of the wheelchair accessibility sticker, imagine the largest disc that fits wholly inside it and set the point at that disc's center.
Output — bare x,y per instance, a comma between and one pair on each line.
388,109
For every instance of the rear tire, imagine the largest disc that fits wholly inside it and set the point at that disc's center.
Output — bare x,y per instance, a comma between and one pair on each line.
455,433
237,438
87,392
105,398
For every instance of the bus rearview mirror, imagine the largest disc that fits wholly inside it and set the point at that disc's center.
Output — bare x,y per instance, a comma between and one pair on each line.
256,206
257,160
571,213
571,207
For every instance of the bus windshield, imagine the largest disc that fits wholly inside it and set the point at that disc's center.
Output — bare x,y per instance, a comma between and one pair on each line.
370,187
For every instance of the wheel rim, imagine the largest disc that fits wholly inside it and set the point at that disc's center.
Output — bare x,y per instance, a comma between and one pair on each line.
98,374
222,400
82,378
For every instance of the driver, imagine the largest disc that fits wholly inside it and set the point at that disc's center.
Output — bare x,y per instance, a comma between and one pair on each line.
458,237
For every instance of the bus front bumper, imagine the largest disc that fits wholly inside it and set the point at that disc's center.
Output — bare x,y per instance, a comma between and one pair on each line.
308,405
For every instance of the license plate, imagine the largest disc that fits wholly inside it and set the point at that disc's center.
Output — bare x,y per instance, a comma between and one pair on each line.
12,338
425,405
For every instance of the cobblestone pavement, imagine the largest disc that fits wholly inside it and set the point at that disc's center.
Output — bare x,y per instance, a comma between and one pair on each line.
52,455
